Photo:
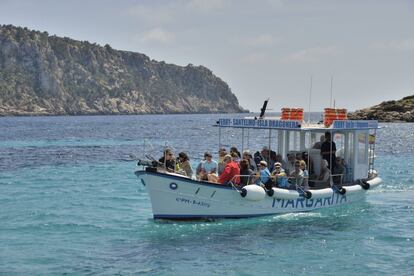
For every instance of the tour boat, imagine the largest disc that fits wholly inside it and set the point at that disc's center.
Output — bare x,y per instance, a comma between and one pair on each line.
175,196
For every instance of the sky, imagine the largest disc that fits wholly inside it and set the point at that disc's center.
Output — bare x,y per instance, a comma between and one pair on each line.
287,51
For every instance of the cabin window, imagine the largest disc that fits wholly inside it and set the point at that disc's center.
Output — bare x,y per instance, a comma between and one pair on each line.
339,139
362,148
294,141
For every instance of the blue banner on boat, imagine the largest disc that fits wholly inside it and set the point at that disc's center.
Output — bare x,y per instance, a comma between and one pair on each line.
354,124
254,123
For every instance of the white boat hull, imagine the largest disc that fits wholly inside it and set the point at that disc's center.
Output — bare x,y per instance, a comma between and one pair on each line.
176,197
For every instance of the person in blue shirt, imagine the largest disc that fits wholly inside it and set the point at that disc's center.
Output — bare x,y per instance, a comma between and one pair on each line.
264,175
209,168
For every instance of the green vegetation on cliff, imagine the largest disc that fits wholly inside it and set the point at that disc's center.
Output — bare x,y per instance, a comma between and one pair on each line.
389,111
50,75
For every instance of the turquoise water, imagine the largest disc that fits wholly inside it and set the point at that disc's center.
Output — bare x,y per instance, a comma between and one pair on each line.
70,204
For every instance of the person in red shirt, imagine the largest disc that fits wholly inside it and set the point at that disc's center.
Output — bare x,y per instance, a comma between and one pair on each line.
231,170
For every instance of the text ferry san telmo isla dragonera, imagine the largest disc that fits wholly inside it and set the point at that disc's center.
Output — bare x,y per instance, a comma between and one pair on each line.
352,144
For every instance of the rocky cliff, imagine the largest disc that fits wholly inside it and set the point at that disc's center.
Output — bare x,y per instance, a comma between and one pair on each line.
50,75
389,111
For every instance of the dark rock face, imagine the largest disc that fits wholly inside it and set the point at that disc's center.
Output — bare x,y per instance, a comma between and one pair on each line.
49,75
390,111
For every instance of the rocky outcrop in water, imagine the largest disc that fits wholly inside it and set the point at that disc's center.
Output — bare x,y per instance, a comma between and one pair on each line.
389,111
50,75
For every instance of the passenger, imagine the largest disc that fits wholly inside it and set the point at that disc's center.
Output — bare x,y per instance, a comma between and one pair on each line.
235,157
325,175
245,173
257,158
296,177
290,165
208,168
328,150
265,153
308,161
318,145
237,152
305,185
299,156
338,171
279,175
222,152
231,172
168,161
279,159
263,177
185,165
249,158
272,159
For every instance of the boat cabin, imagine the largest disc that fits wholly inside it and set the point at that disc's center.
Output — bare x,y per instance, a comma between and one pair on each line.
354,140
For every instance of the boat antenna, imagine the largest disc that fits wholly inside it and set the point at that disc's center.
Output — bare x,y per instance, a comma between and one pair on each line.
310,99
330,104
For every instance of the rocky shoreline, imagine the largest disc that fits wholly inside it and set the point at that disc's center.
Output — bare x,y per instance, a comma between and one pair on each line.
388,111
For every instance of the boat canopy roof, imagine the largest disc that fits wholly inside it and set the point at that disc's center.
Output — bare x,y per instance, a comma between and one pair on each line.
337,125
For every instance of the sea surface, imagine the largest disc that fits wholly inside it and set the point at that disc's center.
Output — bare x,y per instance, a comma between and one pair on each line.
71,204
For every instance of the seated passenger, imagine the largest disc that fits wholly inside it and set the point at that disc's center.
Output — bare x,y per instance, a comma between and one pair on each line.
325,175
279,159
263,177
272,160
231,172
184,164
279,175
235,157
209,167
257,158
265,153
237,152
338,171
305,184
245,173
250,160
290,164
167,161
222,152
296,177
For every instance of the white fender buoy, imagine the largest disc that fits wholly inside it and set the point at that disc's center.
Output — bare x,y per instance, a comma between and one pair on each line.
253,192
352,189
374,182
322,193
285,193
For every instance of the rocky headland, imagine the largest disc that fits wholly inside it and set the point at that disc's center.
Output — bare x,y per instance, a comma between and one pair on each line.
49,75
389,111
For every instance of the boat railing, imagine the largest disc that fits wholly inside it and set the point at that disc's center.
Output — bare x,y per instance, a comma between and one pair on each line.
291,181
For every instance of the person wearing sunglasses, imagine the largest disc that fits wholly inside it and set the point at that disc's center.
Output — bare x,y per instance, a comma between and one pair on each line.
168,160
209,168
296,176
279,175
263,176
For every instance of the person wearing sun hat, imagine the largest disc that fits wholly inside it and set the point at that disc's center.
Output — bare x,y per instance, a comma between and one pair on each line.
263,174
280,175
